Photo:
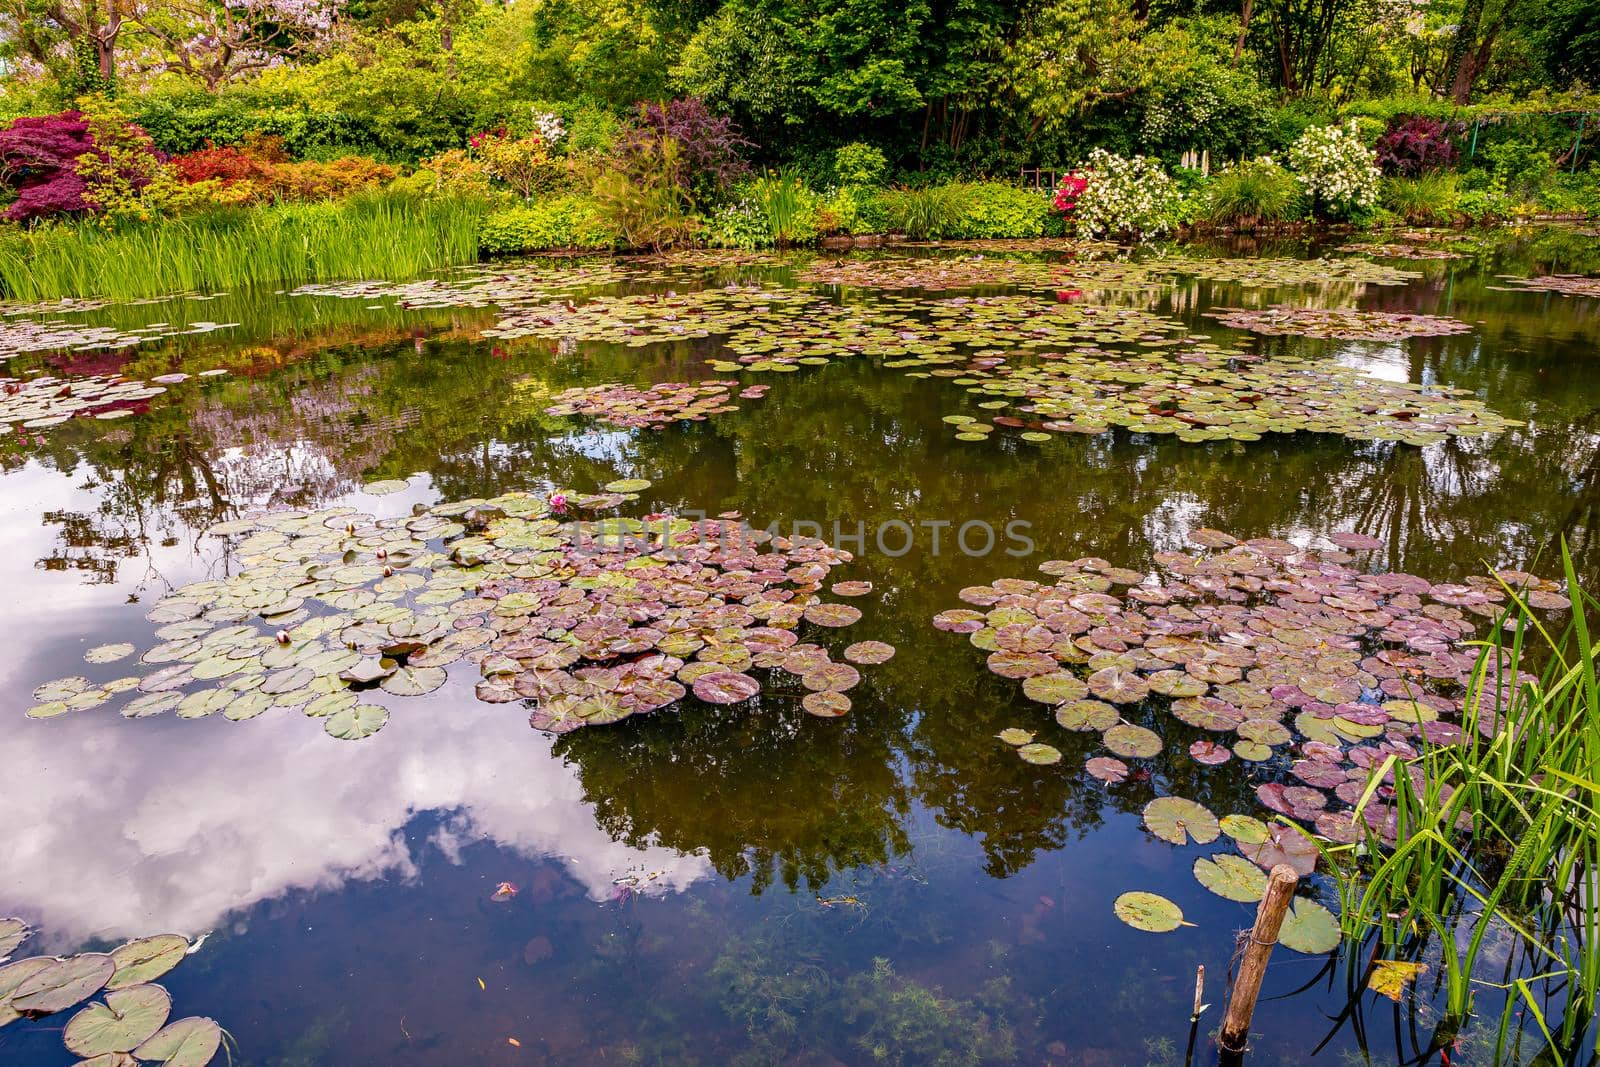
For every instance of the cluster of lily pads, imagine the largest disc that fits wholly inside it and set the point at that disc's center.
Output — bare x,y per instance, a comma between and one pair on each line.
1344,324
1201,392
20,335
128,1025
1565,284
1274,273
591,621
44,401
644,319
1269,648
936,273
1406,250
664,403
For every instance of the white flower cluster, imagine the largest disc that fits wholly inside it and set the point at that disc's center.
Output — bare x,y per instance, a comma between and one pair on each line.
549,127
1126,195
1336,169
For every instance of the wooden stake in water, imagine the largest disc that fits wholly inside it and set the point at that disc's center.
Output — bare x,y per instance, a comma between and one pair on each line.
1253,967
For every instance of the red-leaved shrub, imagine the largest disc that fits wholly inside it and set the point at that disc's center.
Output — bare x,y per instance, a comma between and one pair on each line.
38,159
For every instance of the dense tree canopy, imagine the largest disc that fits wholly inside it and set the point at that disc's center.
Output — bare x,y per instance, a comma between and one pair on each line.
941,86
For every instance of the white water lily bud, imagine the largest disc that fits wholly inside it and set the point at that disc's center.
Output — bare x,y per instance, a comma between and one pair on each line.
283,637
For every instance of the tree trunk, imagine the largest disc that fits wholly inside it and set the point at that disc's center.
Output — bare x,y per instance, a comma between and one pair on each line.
1461,73
1244,30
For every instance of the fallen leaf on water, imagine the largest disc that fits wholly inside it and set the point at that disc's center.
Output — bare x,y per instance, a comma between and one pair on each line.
503,892
481,985
513,1042
1390,977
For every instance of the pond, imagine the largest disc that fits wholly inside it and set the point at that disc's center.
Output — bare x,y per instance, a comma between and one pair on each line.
729,879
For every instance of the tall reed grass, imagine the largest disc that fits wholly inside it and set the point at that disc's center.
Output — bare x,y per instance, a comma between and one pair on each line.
1497,840
374,236
925,214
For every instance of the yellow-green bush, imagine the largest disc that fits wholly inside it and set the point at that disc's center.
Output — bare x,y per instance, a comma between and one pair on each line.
559,222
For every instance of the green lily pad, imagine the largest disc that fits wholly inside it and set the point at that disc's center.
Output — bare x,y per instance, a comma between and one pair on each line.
146,959
356,721
1310,928
108,653
1179,820
1041,754
1013,735
1232,877
13,932
1245,829
126,1019
1149,912
13,975
64,983
385,487
191,1042
628,485
1132,742
413,681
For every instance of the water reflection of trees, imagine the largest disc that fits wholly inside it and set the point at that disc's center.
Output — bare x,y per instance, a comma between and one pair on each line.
764,790
853,443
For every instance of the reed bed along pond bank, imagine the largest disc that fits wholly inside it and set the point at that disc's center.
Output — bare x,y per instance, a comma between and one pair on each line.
379,236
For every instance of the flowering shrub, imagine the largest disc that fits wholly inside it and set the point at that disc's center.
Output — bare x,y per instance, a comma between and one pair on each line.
452,173
739,223
1415,145
549,127
336,178
1336,170
38,159
1068,190
523,163
1132,195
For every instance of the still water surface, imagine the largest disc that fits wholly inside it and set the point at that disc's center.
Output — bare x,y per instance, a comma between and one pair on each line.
704,885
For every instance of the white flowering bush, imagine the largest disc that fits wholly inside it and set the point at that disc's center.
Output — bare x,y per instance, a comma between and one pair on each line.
549,127
1337,171
1126,195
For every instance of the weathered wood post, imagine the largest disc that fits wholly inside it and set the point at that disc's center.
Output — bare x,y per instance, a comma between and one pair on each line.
1253,967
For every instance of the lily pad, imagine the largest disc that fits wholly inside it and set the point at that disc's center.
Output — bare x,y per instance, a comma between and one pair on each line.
1132,742
13,932
126,1019
1310,928
1179,820
1232,877
146,959
1013,735
725,687
628,485
191,1042
108,653
1108,770
1038,753
356,721
1149,912
62,984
